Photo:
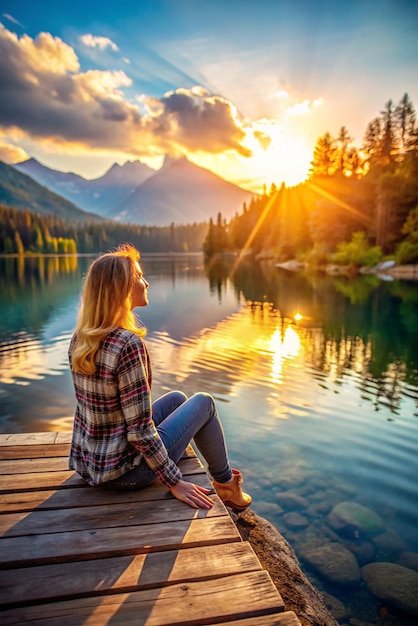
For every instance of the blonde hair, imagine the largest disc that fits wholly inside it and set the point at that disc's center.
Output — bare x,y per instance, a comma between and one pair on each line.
105,304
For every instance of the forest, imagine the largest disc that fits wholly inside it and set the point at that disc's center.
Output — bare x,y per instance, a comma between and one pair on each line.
357,207
27,232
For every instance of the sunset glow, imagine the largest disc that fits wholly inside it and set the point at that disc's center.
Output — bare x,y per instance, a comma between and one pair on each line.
83,91
250,332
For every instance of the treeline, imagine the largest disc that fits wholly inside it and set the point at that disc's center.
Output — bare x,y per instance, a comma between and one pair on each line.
357,204
24,231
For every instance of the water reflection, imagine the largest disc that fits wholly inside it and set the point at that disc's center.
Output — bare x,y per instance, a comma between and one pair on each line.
249,348
31,289
362,325
315,377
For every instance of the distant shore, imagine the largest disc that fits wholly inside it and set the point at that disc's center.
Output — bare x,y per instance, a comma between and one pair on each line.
385,272
33,255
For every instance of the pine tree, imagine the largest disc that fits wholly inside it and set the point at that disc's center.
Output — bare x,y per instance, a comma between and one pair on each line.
209,243
343,142
388,148
372,142
324,162
405,124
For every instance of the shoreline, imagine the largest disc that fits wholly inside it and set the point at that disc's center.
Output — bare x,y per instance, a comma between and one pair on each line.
278,557
36,255
382,271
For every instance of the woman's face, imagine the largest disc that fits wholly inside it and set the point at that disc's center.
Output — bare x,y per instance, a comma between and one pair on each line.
140,289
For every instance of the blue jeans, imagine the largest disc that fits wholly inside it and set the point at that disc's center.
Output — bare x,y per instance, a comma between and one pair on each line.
179,420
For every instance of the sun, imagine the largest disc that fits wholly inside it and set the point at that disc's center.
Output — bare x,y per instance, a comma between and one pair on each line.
286,158
278,156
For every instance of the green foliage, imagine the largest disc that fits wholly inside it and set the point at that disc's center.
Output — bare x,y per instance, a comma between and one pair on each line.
376,195
358,252
316,257
407,250
357,291
24,231
410,228
217,239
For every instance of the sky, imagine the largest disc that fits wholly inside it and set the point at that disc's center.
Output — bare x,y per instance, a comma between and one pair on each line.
241,87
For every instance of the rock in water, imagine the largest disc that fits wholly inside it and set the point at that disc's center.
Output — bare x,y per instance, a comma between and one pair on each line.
279,559
354,520
394,585
335,563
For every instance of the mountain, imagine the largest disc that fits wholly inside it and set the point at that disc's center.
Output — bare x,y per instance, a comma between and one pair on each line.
181,192
22,192
99,195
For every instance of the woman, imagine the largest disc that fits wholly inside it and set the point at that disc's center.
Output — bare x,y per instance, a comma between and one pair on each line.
121,440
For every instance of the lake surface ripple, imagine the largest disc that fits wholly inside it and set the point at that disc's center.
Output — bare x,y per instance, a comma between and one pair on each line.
315,378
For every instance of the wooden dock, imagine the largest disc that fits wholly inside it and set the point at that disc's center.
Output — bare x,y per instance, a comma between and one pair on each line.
73,555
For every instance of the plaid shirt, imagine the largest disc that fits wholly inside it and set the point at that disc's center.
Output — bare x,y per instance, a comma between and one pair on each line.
113,427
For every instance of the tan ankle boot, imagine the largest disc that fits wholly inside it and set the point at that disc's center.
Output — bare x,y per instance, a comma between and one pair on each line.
231,493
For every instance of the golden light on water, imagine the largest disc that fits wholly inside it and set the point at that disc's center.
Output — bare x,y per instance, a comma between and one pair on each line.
283,348
254,345
29,360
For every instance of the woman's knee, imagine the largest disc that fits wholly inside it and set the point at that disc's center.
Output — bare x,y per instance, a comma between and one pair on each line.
173,399
204,399
178,397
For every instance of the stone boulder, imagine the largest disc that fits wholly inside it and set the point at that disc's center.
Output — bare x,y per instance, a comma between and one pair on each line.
295,520
409,559
389,546
393,584
279,559
291,501
354,520
335,563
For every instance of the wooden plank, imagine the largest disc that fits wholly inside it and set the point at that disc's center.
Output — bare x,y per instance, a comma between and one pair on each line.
121,557
35,451
40,481
59,464
125,574
24,439
108,542
185,604
63,480
105,516
28,466
64,437
80,496
279,619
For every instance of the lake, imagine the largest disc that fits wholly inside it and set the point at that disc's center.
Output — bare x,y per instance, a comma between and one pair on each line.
315,378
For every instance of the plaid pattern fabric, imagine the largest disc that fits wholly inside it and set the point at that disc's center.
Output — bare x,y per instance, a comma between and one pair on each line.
113,427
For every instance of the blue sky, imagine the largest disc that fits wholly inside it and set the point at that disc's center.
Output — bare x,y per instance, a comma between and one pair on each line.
243,88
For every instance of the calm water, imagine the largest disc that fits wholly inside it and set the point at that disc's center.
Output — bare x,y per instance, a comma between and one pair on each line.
324,407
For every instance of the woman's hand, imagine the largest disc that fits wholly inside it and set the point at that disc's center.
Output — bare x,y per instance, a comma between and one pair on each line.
192,494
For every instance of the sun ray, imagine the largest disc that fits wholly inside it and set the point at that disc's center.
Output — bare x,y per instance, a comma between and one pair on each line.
253,233
328,196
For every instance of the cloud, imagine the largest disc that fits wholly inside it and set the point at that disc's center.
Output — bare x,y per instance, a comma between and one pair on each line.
98,42
302,108
34,56
196,120
11,19
263,139
11,154
50,100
